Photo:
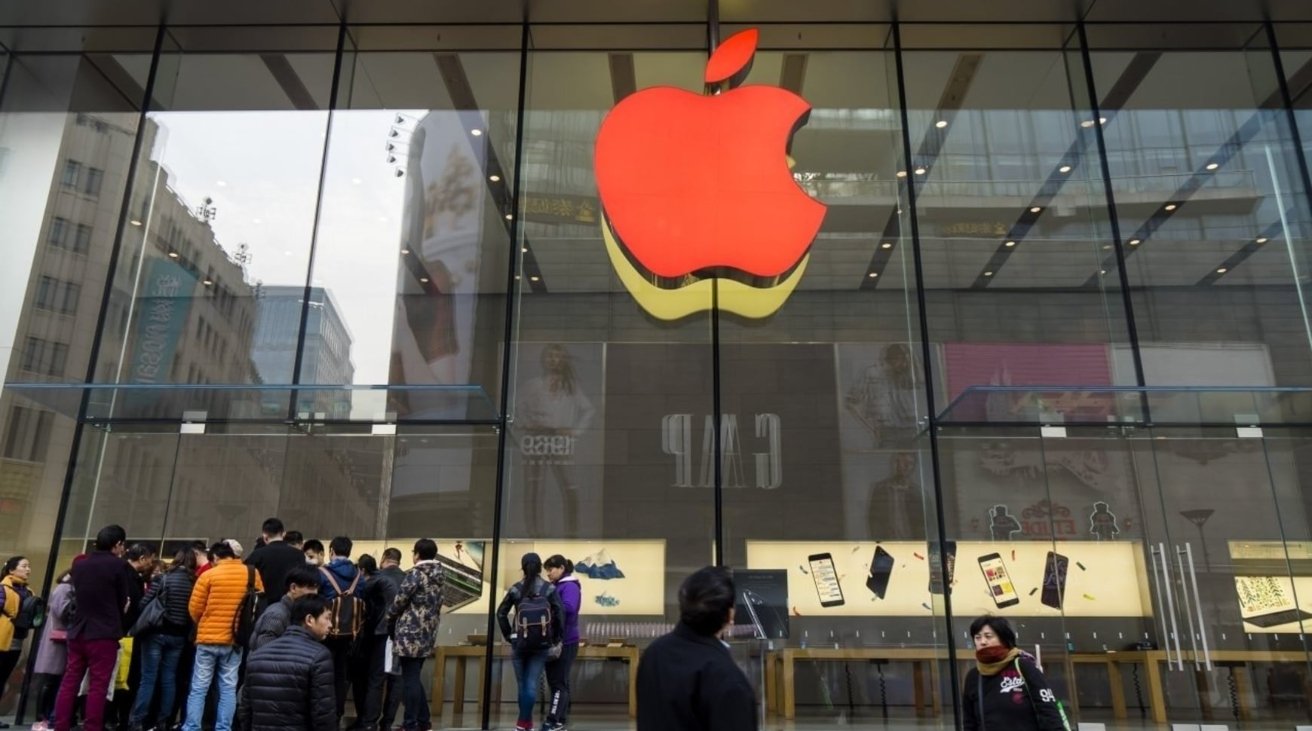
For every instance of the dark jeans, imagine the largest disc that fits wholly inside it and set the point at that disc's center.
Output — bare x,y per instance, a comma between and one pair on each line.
558,681
528,671
340,647
8,661
47,691
393,692
367,678
416,702
93,657
160,654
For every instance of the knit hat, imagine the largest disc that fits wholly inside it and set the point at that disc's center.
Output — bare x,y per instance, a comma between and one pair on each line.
234,545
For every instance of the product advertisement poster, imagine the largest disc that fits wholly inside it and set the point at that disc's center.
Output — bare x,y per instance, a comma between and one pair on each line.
462,560
617,577
1019,578
557,436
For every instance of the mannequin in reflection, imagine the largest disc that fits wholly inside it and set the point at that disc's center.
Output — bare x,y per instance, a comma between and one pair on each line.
553,413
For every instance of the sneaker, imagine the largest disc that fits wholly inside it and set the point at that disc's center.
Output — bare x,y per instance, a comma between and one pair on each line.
554,726
40,726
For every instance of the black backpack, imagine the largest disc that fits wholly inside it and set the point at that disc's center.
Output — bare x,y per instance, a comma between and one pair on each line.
252,603
31,611
533,619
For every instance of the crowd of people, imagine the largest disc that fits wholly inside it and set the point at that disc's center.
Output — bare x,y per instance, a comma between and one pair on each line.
278,640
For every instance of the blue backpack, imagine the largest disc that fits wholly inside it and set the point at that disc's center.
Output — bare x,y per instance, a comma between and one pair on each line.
533,620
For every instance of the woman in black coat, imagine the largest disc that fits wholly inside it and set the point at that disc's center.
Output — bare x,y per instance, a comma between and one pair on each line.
1006,690
290,680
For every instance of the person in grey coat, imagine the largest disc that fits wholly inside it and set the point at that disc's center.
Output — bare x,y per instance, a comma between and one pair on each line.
52,653
415,614
291,679
302,581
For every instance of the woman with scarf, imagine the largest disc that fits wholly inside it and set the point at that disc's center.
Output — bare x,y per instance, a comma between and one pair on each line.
1006,691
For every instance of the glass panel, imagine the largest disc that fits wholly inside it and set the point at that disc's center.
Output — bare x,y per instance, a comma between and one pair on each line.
413,246
608,404
211,282
67,127
1211,202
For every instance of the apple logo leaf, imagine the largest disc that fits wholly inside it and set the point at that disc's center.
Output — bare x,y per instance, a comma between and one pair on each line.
732,59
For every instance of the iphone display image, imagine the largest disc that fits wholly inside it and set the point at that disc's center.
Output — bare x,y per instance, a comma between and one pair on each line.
1054,579
936,583
1001,587
881,570
826,579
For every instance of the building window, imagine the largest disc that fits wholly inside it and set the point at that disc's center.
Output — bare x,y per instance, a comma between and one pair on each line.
82,239
57,295
72,172
28,434
92,183
58,230
44,356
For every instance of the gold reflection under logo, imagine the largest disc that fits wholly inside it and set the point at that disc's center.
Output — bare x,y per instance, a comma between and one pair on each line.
672,304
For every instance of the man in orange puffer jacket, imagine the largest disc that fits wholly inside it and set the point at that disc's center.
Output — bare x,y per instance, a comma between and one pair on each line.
214,603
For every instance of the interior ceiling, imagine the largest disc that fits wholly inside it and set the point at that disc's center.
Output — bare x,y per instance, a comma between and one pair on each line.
208,12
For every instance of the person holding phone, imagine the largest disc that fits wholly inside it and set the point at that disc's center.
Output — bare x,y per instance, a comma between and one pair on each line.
1006,690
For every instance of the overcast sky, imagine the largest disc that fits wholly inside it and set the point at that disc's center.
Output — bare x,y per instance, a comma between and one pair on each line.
262,170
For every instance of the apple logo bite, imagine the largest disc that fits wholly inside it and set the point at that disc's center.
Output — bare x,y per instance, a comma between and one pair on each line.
700,184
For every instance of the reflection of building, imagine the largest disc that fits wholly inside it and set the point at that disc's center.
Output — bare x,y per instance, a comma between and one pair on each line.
327,357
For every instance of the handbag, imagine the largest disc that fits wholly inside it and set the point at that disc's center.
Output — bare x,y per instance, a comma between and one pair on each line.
152,613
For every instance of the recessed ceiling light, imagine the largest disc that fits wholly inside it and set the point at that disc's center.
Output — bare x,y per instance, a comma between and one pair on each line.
424,280
476,132
920,171
524,249
1171,206
1213,165
173,254
1102,271
1064,169
535,278
988,274
1036,209
1102,120
941,123
1106,247
1135,242
1086,123
494,178
901,173
208,282
1262,239
886,245
1220,270
1009,244
135,222
405,252
509,217
872,275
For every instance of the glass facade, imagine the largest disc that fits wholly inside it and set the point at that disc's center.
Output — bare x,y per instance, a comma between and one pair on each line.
1049,355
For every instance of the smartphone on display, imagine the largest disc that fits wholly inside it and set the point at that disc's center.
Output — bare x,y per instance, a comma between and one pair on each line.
999,580
826,579
881,569
1054,579
936,583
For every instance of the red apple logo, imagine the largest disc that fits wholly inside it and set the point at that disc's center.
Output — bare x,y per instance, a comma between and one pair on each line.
701,183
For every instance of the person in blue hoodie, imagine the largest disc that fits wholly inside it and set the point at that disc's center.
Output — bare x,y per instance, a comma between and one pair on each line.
560,571
339,575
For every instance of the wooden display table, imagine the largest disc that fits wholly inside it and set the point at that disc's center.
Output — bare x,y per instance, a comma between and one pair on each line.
462,654
1151,660
780,679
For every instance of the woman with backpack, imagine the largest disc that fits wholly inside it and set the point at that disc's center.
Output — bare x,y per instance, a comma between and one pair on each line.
15,619
560,571
536,634
1006,689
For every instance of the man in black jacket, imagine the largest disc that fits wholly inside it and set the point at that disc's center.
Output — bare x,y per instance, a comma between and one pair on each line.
291,678
687,680
274,559
381,591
